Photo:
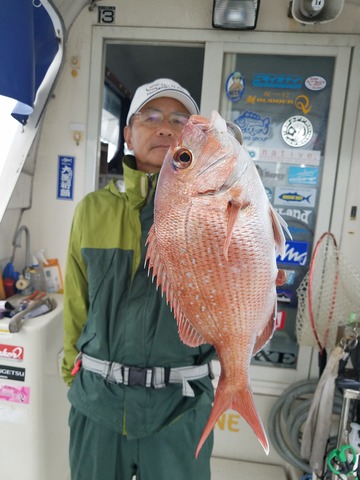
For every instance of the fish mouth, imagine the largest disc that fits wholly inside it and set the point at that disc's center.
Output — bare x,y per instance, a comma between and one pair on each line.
218,124
237,173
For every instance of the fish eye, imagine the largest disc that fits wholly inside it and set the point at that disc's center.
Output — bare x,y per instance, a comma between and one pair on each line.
182,158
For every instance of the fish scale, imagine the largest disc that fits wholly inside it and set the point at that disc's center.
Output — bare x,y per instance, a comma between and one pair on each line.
212,249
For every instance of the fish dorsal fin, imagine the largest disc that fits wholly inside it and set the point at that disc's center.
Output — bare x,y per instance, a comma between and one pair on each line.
278,224
187,332
266,334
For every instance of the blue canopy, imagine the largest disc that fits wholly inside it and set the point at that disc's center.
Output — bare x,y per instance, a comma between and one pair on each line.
28,45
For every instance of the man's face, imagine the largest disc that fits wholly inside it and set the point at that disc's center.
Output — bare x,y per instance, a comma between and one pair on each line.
150,142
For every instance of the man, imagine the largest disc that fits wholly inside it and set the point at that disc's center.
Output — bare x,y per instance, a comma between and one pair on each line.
134,410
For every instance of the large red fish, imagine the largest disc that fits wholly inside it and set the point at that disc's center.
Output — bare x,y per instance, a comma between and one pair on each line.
212,248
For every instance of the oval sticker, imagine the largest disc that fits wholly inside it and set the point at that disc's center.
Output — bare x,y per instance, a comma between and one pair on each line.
315,83
235,85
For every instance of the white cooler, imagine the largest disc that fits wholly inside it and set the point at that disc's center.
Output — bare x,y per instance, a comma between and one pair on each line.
33,403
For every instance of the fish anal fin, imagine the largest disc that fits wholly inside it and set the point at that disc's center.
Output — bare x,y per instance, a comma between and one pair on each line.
263,338
187,333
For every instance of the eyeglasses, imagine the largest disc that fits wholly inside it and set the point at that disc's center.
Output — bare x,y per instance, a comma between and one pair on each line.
152,118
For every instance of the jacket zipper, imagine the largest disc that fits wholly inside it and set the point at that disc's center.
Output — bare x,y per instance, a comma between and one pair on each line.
150,177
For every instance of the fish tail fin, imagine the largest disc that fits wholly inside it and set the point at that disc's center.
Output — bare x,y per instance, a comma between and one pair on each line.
242,401
221,404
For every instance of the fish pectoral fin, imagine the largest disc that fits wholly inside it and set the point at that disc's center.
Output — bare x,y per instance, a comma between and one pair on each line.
278,224
265,335
234,207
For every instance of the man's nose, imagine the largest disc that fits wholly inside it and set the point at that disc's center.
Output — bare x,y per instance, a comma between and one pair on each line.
165,128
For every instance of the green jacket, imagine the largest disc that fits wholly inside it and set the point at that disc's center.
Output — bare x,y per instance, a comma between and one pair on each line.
113,312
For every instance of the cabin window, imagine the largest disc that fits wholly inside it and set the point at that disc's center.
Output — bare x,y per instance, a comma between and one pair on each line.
126,67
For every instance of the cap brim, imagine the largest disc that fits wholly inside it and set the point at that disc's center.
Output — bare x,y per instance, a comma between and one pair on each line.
188,102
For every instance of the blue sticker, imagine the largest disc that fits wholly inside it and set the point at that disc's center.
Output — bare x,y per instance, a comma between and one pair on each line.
299,196
253,124
294,197
303,175
296,230
65,188
296,253
271,80
252,151
235,86
284,295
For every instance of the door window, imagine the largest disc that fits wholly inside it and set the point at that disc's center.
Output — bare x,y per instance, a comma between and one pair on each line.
281,103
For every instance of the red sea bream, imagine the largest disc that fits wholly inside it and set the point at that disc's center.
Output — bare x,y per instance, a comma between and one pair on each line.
213,248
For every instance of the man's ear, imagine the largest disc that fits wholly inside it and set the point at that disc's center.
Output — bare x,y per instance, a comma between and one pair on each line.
127,136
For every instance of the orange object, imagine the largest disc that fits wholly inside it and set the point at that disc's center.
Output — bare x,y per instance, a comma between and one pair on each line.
37,295
53,276
2,291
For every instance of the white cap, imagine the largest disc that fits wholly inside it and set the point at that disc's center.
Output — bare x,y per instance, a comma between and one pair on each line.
162,87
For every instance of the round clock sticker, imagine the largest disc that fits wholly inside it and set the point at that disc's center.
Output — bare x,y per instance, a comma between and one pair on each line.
297,131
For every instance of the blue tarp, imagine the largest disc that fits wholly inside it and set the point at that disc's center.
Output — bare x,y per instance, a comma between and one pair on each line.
28,45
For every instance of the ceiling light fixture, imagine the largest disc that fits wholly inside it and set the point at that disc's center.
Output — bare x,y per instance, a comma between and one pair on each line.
235,14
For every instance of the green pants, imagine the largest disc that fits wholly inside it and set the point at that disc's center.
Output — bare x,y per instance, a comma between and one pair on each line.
97,453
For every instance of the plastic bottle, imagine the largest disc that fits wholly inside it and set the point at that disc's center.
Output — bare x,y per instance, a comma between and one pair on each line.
43,262
9,287
37,277
354,436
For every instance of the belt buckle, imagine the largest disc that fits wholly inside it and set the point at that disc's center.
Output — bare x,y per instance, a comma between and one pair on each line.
139,376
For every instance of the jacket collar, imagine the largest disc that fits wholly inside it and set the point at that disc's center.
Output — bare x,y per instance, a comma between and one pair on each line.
139,186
